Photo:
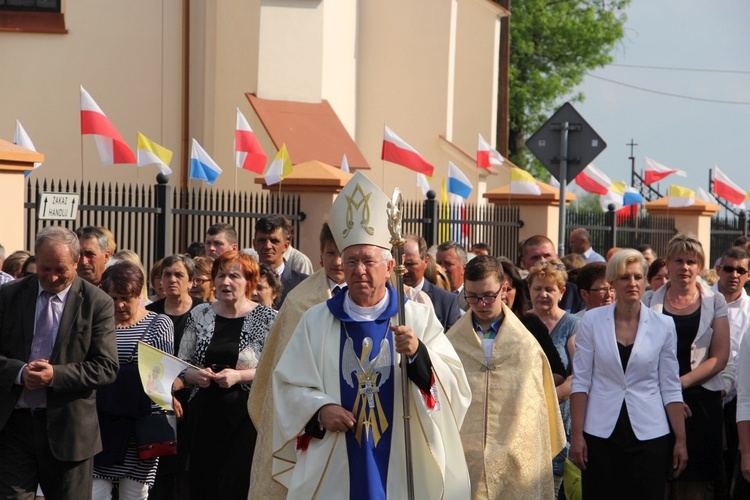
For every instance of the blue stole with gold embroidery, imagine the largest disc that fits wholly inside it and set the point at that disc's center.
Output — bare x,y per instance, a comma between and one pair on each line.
366,356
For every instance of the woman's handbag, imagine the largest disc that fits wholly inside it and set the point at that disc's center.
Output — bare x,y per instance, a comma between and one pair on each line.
155,435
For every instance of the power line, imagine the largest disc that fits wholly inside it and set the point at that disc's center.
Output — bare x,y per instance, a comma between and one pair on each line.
673,68
668,94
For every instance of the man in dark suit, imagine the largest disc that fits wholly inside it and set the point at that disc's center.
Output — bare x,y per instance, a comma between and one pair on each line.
444,303
271,241
57,346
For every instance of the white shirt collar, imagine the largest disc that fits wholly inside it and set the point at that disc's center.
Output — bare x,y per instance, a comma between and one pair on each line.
418,287
332,284
280,269
359,313
743,294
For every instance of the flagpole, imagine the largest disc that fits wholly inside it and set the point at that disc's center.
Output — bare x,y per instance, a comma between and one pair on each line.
398,242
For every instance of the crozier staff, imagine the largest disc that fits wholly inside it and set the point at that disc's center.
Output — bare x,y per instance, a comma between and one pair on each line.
337,388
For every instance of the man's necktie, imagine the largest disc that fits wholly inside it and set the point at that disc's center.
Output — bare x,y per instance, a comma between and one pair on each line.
41,346
335,290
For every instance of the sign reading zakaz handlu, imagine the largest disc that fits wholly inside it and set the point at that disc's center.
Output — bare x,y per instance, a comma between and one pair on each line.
57,206
584,144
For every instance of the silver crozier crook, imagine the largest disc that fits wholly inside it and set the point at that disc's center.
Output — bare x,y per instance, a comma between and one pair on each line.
398,242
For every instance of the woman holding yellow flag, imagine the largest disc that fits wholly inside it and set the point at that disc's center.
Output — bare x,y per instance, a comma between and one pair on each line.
121,403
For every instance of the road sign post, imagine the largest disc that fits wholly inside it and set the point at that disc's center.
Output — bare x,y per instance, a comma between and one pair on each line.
565,144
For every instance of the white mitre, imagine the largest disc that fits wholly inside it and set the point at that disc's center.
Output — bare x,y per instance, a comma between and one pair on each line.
359,215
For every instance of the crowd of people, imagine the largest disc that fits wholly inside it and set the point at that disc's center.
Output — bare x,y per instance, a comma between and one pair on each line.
631,369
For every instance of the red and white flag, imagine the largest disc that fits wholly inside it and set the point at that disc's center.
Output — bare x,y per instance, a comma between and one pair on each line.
486,155
727,189
655,171
593,180
396,150
247,151
111,146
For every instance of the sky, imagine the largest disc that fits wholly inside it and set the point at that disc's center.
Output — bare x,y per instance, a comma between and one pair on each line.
687,134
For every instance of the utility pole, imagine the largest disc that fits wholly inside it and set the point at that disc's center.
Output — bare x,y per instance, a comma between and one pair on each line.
503,98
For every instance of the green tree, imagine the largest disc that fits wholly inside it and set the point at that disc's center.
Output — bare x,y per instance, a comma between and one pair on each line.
553,43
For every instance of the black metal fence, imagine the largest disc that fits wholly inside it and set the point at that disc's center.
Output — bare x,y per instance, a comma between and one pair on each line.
724,230
608,230
159,220
497,226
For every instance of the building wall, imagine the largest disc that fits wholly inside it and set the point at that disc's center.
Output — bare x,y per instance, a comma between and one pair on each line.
425,67
126,54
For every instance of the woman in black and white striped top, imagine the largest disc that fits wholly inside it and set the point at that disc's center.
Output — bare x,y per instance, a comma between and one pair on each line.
119,462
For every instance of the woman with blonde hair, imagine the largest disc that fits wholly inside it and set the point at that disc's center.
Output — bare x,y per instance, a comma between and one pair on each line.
626,392
703,348
546,286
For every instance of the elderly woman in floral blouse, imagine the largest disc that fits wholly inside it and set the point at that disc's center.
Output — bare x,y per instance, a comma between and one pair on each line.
225,338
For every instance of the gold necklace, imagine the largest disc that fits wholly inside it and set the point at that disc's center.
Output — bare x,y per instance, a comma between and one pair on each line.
684,307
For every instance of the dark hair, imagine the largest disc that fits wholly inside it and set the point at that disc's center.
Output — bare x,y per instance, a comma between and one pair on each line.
642,248
186,261
452,245
155,272
273,280
271,223
590,273
741,241
326,235
196,249
655,267
227,229
248,264
89,232
738,253
123,277
30,260
483,266
481,246
520,305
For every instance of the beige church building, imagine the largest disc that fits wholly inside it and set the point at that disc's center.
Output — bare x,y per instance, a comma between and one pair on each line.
321,76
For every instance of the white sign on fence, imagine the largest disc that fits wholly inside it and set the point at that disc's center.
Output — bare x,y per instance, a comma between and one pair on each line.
58,206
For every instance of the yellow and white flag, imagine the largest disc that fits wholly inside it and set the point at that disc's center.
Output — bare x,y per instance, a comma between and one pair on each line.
680,197
522,182
280,167
158,371
150,153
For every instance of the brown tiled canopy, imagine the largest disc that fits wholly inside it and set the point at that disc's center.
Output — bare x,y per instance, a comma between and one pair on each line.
311,131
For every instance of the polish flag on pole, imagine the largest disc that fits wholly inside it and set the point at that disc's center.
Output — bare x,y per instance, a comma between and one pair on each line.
727,189
654,172
593,180
395,150
247,151
486,155
110,144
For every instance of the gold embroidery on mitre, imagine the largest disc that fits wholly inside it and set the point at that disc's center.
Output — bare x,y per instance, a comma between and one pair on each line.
364,202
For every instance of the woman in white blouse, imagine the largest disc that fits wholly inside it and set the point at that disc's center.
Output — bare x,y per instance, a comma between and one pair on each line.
625,388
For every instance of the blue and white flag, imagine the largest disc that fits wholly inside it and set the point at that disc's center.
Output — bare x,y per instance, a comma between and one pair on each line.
202,166
458,183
